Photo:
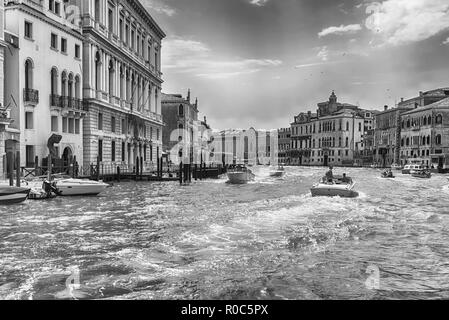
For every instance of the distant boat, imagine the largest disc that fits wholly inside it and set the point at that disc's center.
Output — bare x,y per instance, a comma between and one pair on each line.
387,175
277,172
423,174
78,187
396,166
339,187
11,195
240,175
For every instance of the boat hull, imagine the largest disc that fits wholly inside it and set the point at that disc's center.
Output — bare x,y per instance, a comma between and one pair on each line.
240,177
276,174
70,188
323,190
405,171
13,195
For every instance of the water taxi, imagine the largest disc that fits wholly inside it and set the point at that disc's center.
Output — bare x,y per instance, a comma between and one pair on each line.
277,171
396,166
338,187
240,174
79,187
412,167
423,174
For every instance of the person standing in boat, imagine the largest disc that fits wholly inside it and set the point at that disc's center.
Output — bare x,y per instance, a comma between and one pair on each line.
330,175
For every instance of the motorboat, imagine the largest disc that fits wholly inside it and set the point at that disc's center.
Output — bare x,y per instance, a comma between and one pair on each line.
240,175
387,175
423,174
277,171
338,187
42,190
11,195
412,167
79,187
396,166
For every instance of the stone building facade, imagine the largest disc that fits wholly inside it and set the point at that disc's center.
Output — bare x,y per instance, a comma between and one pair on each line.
4,114
43,65
122,83
425,135
332,136
284,143
425,98
181,126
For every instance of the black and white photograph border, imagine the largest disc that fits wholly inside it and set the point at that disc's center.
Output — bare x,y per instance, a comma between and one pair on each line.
224,150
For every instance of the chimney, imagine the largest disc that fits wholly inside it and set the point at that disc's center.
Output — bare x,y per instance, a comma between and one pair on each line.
421,93
385,108
205,119
196,103
188,96
402,99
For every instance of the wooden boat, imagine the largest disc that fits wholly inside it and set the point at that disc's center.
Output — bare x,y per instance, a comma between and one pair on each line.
42,190
240,175
339,187
11,195
387,175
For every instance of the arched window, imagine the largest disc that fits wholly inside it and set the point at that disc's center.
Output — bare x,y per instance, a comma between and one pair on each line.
181,110
122,84
425,121
319,143
438,139
313,143
111,71
402,142
29,74
428,140
77,87
97,71
54,81
347,142
403,124
407,142
64,84
180,126
347,126
70,86
360,127
408,123
424,140
333,126
439,119
333,142
339,142
429,120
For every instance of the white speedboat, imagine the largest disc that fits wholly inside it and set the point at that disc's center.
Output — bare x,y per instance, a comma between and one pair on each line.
11,195
240,175
336,188
78,187
396,166
277,171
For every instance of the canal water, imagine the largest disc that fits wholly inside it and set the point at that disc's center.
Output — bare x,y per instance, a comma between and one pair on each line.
266,240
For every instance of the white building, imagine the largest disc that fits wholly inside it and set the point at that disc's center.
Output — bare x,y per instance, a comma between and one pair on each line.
43,65
4,121
253,147
122,83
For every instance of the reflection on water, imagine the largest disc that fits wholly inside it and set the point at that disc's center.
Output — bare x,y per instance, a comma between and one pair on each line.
266,240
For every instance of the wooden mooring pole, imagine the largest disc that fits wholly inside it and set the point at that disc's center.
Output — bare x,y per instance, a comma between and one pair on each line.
180,172
10,169
18,169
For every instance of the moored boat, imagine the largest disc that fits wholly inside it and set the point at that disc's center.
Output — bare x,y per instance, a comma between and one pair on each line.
79,187
339,187
11,195
240,175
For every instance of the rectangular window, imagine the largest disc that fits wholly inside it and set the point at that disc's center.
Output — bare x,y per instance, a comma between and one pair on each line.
63,45
28,30
111,20
156,63
100,150
157,135
77,51
71,125
127,35
121,29
100,121
97,10
113,151
138,44
113,124
51,5
123,151
77,126
54,123
54,41
132,39
29,120
64,124
29,150
57,8
123,127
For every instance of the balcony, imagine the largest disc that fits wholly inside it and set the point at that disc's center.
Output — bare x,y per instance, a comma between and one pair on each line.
66,102
31,96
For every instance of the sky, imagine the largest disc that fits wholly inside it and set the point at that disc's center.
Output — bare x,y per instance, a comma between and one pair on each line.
258,63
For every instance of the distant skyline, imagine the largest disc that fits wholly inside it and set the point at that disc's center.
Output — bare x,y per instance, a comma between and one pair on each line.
258,63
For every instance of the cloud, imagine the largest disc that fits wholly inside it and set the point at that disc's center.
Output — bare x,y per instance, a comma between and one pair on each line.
190,56
323,54
159,7
399,22
446,42
258,3
351,28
